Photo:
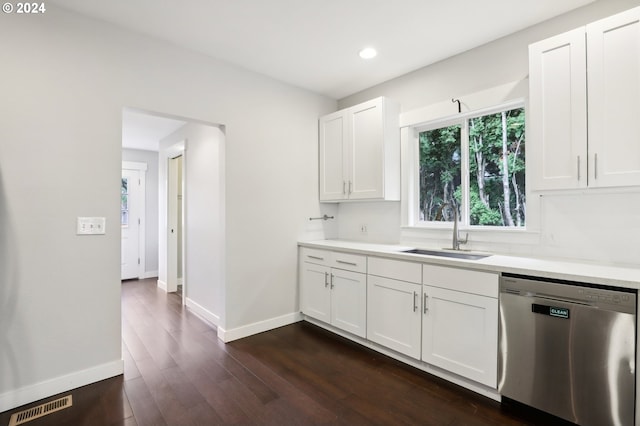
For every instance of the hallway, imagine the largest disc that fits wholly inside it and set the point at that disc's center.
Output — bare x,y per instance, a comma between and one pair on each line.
177,372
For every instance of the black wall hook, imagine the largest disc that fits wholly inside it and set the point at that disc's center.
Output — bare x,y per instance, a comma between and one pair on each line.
459,106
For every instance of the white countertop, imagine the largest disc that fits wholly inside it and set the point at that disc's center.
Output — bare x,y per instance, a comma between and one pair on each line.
546,268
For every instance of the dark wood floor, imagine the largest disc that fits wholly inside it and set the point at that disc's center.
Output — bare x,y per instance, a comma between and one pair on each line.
178,373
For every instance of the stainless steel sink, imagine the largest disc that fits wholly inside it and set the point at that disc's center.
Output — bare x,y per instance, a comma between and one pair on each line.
444,253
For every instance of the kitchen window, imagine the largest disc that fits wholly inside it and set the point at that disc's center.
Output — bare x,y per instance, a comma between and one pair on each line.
473,165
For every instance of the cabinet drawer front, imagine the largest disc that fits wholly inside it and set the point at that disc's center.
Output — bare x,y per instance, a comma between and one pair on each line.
395,269
319,257
349,262
474,282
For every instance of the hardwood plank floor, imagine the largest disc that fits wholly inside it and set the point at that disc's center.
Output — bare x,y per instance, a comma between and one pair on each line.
177,372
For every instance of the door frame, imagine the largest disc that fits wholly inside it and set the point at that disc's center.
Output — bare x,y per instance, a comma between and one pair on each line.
175,150
141,168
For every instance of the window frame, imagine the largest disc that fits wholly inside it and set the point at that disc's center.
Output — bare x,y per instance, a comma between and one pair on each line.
412,158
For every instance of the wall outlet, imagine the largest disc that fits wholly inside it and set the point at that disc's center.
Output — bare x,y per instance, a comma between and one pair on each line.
363,229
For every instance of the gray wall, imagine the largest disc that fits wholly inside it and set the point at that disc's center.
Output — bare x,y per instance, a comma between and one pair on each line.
150,158
66,80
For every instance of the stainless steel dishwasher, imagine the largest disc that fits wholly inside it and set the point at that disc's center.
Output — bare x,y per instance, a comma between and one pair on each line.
568,349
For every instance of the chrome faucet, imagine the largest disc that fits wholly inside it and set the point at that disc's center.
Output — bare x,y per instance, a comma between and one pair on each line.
456,241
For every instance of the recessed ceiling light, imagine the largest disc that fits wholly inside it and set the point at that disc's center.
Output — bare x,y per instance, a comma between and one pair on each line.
368,53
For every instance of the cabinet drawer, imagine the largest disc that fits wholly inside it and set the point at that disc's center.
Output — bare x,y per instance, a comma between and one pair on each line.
474,282
395,269
349,262
319,257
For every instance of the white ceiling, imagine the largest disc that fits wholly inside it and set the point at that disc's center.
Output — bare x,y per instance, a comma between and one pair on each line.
144,131
314,44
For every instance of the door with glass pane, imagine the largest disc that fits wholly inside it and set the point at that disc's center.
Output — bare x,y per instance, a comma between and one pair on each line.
130,224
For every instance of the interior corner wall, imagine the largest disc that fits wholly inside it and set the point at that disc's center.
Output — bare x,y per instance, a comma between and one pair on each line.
150,158
572,225
65,80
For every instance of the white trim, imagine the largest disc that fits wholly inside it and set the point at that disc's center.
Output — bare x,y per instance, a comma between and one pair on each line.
162,285
35,392
134,165
443,374
460,118
202,312
477,101
150,274
258,327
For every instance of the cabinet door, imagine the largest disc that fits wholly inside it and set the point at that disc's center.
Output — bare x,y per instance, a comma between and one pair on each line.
614,100
393,314
332,162
315,291
460,334
349,301
366,154
557,135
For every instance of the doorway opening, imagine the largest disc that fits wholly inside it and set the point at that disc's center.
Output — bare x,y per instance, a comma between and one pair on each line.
186,178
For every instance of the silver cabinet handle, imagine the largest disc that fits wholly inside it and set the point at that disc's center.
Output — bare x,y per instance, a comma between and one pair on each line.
315,257
331,280
595,165
415,305
578,168
346,263
426,299
326,282
344,186
350,187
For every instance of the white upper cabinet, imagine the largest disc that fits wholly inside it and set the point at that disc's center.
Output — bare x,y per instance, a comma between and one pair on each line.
558,111
613,69
584,104
360,153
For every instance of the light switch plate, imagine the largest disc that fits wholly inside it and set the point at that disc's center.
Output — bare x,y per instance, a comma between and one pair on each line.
91,225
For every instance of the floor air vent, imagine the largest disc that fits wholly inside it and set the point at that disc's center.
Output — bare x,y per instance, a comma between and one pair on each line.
41,410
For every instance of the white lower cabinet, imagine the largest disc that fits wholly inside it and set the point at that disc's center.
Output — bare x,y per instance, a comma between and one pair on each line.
315,294
446,317
335,296
349,301
460,328
393,314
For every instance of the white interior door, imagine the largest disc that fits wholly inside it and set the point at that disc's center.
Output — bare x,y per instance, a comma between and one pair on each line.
131,203
175,271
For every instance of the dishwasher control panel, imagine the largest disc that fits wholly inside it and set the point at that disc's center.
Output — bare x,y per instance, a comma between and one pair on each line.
571,292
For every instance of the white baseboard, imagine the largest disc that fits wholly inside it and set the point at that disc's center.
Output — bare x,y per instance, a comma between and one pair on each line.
31,393
149,274
258,327
162,285
203,312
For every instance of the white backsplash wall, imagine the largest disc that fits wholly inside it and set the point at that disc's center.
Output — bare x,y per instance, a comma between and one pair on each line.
588,225
592,225
381,221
